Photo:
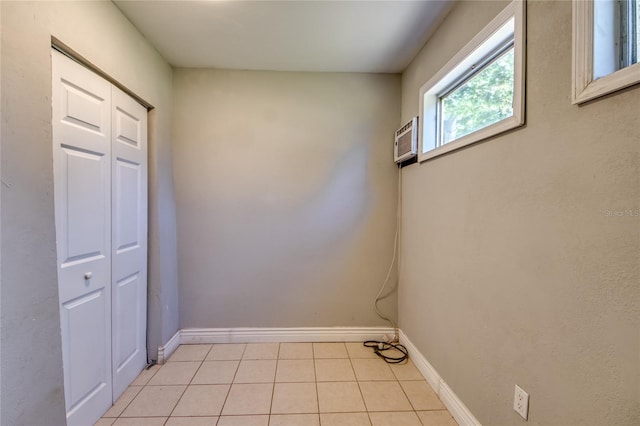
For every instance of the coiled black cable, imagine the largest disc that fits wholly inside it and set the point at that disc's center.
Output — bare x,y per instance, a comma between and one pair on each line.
380,347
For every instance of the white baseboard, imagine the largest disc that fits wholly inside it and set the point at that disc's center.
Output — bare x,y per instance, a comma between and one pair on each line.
427,370
190,336
293,334
164,352
456,407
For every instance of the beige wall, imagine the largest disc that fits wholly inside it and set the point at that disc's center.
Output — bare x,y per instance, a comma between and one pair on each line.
286,196
31,365
511,271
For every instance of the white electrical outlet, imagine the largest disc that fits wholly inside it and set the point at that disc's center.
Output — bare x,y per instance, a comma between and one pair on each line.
521,402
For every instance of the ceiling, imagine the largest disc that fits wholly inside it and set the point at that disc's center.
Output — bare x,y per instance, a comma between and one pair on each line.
328,36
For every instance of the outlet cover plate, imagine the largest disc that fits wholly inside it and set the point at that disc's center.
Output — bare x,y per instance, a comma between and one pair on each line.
521,402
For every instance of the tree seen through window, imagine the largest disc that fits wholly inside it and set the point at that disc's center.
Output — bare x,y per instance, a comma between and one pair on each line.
484,99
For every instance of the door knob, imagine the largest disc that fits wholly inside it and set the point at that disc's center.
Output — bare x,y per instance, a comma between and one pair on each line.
88,275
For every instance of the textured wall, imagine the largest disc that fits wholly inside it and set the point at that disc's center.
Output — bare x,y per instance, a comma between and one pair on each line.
286,196
31,365
512,271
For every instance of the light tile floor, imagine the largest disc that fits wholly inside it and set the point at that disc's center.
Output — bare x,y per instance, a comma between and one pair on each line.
283,384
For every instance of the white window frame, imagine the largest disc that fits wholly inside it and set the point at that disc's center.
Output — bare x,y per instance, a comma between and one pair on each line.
495,33
585,87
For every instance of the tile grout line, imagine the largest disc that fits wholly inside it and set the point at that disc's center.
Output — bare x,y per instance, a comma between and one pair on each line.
132,399
188,384
273,388
233,379
360,390
315,376
185,389
415,410
127,406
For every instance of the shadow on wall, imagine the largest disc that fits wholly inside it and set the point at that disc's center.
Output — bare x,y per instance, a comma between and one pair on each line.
320,224
342,202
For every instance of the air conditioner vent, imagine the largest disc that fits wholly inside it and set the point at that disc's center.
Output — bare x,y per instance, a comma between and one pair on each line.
406,141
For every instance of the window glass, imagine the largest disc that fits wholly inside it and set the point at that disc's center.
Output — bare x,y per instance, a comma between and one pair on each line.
630,33
484,98
616,35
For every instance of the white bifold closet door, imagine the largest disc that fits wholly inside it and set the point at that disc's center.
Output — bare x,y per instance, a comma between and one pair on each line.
100,173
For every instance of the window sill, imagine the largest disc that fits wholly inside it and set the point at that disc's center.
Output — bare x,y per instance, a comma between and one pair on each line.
475,137
618,80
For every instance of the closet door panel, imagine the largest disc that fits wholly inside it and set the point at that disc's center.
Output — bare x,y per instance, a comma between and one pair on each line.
129,239
81,114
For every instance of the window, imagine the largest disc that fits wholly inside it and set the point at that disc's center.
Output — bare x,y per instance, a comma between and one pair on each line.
606,47
480,100
479,93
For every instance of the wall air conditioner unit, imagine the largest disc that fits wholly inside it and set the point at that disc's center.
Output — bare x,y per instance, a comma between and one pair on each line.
406,142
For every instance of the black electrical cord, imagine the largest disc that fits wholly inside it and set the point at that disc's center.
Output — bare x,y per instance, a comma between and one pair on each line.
380,347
